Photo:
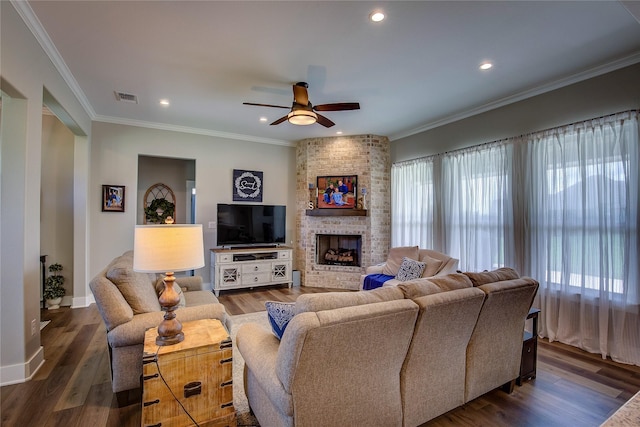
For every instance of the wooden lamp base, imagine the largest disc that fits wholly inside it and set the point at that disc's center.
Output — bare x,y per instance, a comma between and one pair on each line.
170,329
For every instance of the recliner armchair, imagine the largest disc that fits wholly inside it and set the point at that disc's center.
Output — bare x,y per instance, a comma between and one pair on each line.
128,303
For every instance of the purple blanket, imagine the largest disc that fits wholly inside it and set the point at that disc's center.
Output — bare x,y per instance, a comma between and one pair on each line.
373,281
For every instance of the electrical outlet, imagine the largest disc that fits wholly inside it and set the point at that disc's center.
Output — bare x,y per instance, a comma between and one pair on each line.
212,224
34,329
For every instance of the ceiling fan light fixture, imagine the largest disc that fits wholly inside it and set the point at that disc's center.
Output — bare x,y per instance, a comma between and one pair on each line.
302,117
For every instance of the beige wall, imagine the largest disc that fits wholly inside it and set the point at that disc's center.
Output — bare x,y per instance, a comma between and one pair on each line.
26,74
114,160
56,208
606,94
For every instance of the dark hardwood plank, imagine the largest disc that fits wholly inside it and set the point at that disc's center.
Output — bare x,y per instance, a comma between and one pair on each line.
73,387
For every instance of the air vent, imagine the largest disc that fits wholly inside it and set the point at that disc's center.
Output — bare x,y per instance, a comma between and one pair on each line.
126,97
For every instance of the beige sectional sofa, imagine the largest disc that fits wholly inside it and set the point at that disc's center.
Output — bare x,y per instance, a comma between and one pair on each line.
394,356
437,264
128,303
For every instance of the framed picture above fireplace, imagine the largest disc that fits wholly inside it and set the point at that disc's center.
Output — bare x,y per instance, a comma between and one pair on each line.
337,191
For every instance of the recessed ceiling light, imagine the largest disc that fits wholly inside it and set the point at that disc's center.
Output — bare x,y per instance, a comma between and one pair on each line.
376,16
164,102
263,119
339,132
486,65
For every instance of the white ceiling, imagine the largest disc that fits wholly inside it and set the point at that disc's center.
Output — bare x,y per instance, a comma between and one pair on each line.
413,71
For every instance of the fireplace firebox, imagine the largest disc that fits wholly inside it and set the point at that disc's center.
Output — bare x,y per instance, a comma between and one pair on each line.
338,249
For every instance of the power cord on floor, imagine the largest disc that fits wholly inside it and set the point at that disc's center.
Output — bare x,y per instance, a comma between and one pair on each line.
171,391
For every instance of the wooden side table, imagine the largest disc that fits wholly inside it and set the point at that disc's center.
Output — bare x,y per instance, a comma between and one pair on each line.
529,349
193,376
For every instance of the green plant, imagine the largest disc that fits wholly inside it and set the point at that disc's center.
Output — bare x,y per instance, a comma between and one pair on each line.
163,205
54,283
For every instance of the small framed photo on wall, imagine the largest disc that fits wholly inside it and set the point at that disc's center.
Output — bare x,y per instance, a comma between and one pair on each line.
113,198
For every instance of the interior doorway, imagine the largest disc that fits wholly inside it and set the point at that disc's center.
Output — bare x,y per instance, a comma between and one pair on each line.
57,201
178,175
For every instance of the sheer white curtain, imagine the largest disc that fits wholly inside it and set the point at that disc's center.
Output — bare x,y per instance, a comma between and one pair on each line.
581,199
412,204
477,207
560,206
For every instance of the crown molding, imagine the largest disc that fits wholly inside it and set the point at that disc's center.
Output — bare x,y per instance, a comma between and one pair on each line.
557,84
191,130
35,26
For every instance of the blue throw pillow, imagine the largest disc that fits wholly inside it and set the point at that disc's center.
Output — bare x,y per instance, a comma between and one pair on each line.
280,313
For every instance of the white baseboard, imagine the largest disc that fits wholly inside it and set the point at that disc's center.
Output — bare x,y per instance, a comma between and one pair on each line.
16,374
82,301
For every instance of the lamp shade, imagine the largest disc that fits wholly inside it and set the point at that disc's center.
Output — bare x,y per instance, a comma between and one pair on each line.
168,247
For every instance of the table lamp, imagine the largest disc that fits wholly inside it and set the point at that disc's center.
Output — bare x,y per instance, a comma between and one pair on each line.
168,248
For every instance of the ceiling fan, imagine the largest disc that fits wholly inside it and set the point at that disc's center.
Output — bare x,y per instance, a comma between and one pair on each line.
303,112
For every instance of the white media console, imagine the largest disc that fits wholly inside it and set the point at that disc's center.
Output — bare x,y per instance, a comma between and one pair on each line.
250,267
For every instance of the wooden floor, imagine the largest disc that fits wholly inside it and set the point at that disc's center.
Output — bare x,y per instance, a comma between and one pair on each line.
72,388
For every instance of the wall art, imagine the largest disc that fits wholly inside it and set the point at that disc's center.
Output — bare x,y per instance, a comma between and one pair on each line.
113,198
248,186
336,191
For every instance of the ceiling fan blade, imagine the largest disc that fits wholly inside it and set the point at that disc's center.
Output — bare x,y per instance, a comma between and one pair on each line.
324,121
280,120
300,94
340,106
265,105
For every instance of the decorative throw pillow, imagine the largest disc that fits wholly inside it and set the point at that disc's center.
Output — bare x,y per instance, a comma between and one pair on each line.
432,265
395,257
137,288
410,269
280,314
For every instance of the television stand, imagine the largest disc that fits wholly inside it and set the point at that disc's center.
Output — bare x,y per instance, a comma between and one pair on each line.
240,268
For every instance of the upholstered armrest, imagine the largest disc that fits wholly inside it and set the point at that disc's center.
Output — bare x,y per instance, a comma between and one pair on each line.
190,283
375,269
132,333
194,298
259,348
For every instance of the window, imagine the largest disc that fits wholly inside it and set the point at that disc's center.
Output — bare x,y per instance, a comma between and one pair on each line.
560,206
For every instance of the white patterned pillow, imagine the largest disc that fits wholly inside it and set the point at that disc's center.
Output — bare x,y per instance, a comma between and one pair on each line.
279,313
410,269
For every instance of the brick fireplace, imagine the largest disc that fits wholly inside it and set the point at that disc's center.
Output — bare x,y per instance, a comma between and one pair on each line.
368,157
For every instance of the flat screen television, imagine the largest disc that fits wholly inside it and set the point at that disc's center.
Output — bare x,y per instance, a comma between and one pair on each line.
251,225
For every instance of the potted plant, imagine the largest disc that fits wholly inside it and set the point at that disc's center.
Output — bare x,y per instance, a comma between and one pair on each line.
54,287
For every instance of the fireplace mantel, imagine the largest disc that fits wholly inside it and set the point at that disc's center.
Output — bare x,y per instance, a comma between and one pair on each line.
336,212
